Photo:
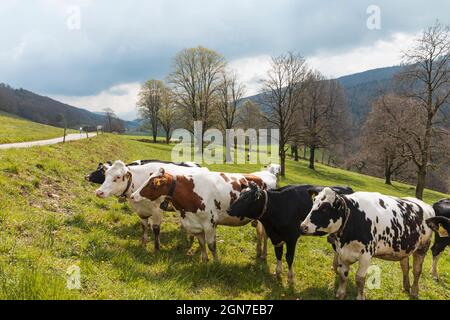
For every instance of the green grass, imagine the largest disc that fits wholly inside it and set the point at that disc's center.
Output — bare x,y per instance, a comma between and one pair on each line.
15,129
51,220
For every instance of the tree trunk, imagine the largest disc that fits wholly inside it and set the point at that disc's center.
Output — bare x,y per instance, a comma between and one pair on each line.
64,138
283,163
387,170
167,137
312,151
304,152
323,156
295,152
421,177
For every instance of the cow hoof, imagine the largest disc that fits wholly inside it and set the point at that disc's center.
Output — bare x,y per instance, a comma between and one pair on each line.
190,252
340,296
361,297
415,294
262,257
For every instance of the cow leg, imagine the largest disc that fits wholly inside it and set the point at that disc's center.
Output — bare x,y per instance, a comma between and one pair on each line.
144,224
156,230
261,241
335,262
156,223
342,271
290,252
210,235
436,250
364,263
202,243
404,263
418,258
279,255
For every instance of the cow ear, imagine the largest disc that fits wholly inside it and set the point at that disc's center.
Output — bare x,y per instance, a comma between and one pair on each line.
312,193
161,171
109,162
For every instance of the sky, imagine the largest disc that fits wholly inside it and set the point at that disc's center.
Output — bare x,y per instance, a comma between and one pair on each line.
95,54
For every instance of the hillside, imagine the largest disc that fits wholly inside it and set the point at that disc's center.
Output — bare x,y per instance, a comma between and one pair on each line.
41,109
51,220
15,129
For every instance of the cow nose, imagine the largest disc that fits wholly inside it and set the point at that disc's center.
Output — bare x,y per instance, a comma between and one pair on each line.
99,193
303,229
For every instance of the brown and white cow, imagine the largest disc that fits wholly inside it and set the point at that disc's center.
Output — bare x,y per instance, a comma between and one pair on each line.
202,199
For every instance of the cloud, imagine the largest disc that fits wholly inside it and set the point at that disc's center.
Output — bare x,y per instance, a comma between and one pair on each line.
127,42
122,98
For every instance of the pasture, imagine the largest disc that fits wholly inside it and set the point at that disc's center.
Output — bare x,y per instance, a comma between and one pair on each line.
50,219
16,129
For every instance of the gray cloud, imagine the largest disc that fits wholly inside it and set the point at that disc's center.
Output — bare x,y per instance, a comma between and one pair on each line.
130,41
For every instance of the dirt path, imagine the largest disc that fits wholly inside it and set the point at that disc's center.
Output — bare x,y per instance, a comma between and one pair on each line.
28,144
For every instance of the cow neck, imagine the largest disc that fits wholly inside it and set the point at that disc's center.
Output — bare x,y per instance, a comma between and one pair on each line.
169,197
343,201
127,192
264,209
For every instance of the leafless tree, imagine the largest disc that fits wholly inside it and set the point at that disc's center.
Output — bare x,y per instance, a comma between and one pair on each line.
321,119
281,95
230,92
426,80
250,116
380,143
168,114
151,97
195,77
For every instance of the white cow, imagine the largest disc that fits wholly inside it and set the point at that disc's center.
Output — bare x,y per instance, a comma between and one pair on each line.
122,180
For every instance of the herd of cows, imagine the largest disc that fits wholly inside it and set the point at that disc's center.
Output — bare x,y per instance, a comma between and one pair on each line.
359,225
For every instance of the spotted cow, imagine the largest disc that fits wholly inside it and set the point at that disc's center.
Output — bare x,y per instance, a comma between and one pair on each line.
440,225
202,200
122,180
364,225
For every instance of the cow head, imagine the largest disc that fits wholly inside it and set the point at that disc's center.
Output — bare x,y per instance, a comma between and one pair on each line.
274,169
116,181
98,176
326,215
440,225
156,186
249,204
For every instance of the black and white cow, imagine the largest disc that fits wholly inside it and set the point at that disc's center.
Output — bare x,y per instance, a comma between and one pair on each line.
441,238
98,176
364,225
280,211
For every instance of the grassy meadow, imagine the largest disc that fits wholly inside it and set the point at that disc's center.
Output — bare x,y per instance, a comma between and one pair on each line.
50,220
15,129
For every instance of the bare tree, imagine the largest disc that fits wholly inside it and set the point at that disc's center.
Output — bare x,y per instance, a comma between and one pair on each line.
426,79
230,92
250,116
322,113
281,94
150,100
380,143
168,114
195,77
110,115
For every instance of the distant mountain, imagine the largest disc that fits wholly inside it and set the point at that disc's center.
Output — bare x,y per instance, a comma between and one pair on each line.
360,89
41,109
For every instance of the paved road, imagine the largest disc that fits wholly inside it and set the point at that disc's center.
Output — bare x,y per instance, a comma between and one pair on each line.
69,137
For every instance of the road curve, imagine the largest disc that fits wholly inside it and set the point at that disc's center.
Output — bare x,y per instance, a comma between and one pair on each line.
28,144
